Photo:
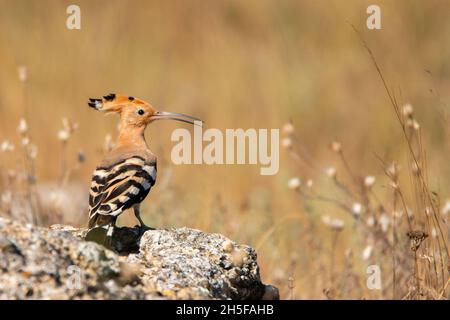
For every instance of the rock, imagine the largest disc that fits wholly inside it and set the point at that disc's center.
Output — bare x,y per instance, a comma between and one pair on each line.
57,263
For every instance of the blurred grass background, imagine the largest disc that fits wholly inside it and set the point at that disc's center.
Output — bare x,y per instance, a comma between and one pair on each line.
235,64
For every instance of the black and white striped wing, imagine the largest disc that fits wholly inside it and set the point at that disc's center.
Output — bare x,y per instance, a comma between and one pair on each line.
117,188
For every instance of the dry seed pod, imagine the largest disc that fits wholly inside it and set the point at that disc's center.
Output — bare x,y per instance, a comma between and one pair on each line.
416,237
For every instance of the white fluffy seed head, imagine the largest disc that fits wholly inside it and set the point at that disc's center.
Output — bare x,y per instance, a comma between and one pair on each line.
32,151
434,233
336,146
331,172
23,126
25,141
446,208
335,224
6,197
22,73
370,221
367,252
369,181
407,110
398,214
413,124
6,146
63,135
384,222
357,208
288,128
286,143
393,170
294,183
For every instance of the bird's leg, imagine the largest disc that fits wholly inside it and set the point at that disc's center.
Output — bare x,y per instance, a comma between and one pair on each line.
137,213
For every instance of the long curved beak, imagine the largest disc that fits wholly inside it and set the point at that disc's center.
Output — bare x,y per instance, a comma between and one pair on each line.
162,115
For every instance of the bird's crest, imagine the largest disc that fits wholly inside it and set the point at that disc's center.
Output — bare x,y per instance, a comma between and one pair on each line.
113,103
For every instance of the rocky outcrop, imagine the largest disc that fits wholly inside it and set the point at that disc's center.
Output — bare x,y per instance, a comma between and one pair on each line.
57,263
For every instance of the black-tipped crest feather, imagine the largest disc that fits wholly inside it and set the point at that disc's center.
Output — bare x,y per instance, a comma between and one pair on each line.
110,97
95,103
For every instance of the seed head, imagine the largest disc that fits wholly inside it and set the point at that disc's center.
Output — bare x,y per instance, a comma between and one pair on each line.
288,128
393,170
294,183
23,127
367,252
357,208
286,143
291,282
446,208
335,224
32,151
416,169
68,128
384,222
68,125
370,221
369,181
63,135
22,72
408,110
409,212
398,214
331,172
6,197
6,146
25,141
336,146
413,124
434,233
416,237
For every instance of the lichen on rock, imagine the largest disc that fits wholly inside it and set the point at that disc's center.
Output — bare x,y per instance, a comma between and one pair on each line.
57,263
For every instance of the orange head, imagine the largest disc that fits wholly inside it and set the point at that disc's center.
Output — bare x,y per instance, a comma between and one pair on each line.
136,112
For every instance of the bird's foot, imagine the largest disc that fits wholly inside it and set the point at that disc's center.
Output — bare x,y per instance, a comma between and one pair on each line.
143,228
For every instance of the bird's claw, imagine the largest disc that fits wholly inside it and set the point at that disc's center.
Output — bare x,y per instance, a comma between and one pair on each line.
143,228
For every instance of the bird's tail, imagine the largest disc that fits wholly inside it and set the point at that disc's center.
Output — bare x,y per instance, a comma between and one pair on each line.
100,220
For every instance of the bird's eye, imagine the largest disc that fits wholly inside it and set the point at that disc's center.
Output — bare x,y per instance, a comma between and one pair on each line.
140,112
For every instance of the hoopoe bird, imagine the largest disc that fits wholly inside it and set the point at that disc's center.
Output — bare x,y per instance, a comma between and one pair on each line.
128,172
